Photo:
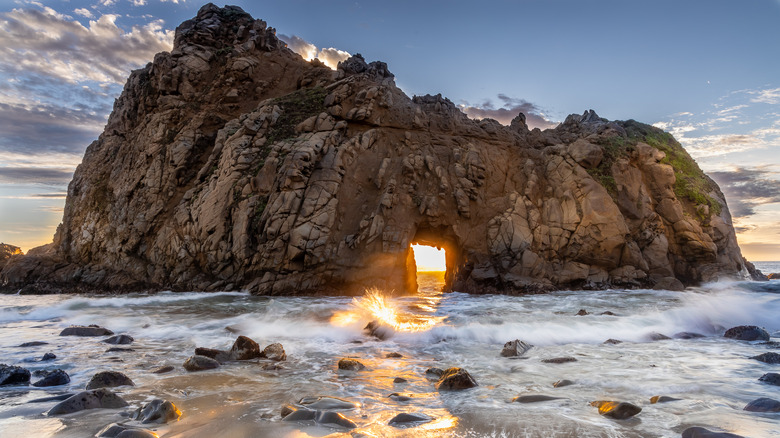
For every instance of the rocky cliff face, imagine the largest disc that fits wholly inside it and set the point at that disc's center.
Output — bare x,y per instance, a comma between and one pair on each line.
232,163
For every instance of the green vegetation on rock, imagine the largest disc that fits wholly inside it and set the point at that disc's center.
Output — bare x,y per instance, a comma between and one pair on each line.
296,107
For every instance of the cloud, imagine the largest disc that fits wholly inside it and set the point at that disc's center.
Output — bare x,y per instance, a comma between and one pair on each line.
511,107
35,175
747,189
770,96
47,43
329,56
84,12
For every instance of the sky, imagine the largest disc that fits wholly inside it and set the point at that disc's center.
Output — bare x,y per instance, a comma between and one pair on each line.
708,71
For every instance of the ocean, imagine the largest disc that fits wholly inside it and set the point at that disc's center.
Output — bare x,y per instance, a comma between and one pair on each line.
712,377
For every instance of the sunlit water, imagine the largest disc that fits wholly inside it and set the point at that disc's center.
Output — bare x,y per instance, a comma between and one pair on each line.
713,377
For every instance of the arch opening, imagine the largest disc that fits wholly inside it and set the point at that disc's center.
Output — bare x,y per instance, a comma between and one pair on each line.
432,260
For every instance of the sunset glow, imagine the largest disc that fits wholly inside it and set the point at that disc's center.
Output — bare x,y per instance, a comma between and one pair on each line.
428,258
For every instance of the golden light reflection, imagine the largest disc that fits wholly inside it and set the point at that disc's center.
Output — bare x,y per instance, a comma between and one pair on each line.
441,423
428,258
374,306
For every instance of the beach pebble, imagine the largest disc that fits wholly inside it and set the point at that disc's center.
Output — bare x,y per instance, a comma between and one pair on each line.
662,399
771,378
611,341
763,404
32,344
200,363
409,419
119,350
90,330
48,356
324,402
747,333
616,410
434,372
399,380
245,348
333,419
274,352
533,398
560,360
157,411
95,399
13,375
299,414
770,358
119,340
455,379
399,397
700,432
109,379
163,369
220,356
582,312
515,348
350,365
53,378
562,383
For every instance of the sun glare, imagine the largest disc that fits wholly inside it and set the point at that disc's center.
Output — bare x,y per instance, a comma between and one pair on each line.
428,258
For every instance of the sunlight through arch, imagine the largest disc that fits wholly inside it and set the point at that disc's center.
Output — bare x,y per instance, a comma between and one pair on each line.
429,258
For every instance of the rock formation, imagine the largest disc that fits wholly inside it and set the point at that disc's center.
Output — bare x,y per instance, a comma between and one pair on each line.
232,163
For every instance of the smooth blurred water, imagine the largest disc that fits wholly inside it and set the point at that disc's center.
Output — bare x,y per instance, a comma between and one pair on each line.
714,377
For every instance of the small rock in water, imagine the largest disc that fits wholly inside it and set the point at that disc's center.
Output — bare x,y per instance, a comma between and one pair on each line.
272,367
245,348
560,360
763,404
582,312
287,410
333,419
377,330
616,410
90,330
200,363
770,358
611,341
700,432
163,369
393,355
607,313
157,411
687,335
48,356
434,372
399,397
13,375
350,365
109,379
562,383
53,378
323,402
533,398
218,355
300,414
408,419
399,380
771,378
274,352
657,337
32,344
455,379
96,399
137,433
119,340
515,348
662,399
116,430
119,350
60,397
747,333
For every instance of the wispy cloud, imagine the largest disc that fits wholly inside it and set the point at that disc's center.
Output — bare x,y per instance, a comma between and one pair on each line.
746,189
35,175
45,42
770,96
329,56
509,108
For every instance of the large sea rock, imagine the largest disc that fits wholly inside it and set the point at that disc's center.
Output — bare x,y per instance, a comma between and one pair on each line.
232,163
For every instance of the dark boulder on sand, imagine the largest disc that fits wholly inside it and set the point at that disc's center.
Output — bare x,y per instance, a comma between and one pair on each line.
157,411
200,363
53,378
770,358
455,379
109,379
515,348
348,364
13,375
771,378
747,333
245,348
90,330
95,399
616,410
700,432
119,340
763,404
